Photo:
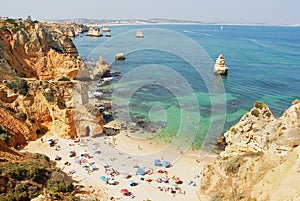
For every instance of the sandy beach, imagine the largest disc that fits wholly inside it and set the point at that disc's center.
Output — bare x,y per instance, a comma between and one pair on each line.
121,160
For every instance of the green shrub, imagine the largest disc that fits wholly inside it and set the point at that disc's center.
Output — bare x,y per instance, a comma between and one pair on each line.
4,28
32,119
255,112
10,21
259,105
34,22
268,114
233,165
21,115
252,154
216,197
37,174
66,79
19,173
57,184
49,95
18,85
4,137
17,28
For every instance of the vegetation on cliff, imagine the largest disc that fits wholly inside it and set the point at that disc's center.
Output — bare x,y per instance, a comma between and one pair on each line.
31,176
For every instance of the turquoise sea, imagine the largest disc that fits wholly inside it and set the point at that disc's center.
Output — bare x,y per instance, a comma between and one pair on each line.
263,61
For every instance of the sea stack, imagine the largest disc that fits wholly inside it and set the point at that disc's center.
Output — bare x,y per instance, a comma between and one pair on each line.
139,34
94,31
105,29
220,67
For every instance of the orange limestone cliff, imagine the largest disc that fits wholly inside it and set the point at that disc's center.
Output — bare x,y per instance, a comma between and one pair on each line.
35,52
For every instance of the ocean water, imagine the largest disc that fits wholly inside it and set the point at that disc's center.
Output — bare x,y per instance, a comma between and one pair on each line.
161,89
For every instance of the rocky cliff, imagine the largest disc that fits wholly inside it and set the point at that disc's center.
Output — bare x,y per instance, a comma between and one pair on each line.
34,51
37,93
60,108
260,161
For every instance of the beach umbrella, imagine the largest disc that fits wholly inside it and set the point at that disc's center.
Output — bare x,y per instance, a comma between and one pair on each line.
176,178
157,162
130,182
165,163
124,191
141,171
104,178
112,181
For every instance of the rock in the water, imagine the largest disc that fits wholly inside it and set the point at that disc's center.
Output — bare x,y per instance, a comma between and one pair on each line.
120,56
94,31
220,67
105,29
102,69
139,34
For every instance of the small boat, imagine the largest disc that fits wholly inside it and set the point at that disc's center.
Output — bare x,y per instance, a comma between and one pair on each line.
108,34
139,34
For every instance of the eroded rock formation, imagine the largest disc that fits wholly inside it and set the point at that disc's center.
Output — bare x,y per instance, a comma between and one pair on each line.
220,66
102,69
35,52
261,160
94,32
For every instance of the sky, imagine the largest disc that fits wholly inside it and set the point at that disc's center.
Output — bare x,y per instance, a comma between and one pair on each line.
229,11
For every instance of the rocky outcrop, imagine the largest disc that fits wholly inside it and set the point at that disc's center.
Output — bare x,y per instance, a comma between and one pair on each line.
260,131
80,28
102,69
66,30
139,34
70,30
34,52
59,108
120,56
105,29
260,161
94,32
220,67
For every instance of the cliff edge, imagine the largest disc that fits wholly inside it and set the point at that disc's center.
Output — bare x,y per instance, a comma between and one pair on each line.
260,161
32,50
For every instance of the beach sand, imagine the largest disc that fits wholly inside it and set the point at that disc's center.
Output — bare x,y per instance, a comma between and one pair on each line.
122,153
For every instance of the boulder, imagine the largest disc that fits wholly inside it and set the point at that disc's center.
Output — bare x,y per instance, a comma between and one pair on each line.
120,56
105,29
220,67
101,70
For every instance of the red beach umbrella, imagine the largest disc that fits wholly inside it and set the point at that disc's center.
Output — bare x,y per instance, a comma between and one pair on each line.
124,191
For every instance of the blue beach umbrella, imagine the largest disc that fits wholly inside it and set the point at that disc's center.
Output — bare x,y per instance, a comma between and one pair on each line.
165,163
130,182
104,178
141,171
157,162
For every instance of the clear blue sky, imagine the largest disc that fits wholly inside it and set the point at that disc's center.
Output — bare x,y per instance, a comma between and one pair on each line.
236,11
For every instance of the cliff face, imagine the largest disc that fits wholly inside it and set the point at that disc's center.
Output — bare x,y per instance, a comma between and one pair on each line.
261,160
59,108
40,104
35,52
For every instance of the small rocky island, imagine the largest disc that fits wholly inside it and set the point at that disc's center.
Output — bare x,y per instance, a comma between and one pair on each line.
220,67
139,34
94,32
